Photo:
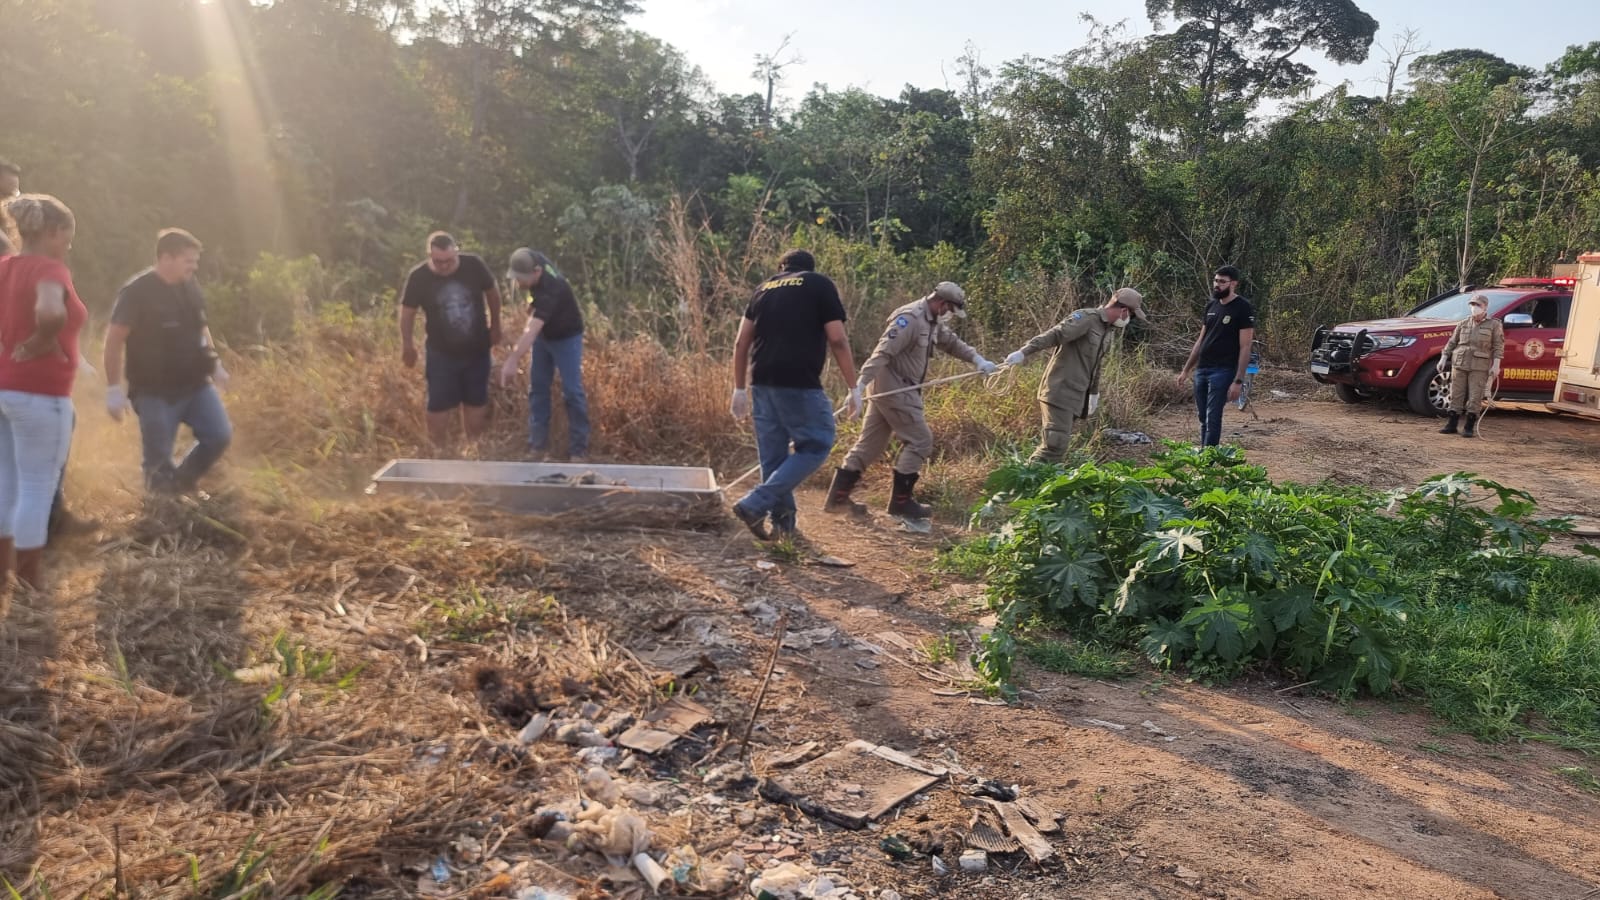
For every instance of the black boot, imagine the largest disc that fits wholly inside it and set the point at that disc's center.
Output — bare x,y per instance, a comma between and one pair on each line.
1472,426
900,502
844,481
1450,426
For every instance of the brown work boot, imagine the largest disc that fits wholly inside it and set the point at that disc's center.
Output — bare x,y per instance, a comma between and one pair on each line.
901,503
844,481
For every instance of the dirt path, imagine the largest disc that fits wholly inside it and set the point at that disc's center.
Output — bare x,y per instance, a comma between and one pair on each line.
1258,794
1251,791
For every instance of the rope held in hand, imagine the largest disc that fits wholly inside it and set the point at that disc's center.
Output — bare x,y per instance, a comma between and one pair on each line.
998,383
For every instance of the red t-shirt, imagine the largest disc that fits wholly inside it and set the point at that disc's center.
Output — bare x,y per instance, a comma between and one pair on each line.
52,373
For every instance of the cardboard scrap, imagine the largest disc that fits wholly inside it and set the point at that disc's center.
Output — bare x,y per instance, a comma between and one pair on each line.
663,727
984,833
854,784
1045,821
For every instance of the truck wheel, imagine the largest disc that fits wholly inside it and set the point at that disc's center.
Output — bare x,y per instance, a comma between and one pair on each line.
1349,393
1429,393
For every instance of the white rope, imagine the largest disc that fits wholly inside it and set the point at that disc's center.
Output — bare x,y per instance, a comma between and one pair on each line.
998,383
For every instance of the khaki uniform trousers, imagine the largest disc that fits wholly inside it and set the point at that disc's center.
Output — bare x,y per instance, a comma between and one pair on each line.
1468,390
1057,433
883,422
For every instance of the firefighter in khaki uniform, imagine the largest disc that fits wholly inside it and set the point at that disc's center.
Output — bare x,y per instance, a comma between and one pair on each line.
1472,359
1070,388
900,361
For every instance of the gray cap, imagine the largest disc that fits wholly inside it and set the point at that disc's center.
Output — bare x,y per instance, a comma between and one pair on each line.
524,262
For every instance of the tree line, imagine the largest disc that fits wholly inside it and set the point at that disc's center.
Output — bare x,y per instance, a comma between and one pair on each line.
346,130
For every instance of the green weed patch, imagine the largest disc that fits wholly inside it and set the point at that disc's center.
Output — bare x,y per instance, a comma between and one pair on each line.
1199,561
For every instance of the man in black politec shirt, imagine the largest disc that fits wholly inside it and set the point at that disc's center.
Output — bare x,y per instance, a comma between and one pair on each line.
790,324
1220,354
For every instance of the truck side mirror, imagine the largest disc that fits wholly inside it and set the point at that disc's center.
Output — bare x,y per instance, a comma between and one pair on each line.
1519,320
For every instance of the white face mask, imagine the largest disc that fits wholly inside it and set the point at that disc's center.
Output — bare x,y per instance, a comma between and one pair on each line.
1121,323
946,317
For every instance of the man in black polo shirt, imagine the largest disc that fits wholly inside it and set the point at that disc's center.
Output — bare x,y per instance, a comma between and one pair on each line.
461,309
172,368
554,335
1220,354
788,328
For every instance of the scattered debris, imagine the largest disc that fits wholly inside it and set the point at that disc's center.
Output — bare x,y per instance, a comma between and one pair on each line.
662,728
583,478
984,833
581,733
676,664
1102,723
887,776
896,847
813,637
939,867
597,756
597,785
1127,437
1016,822
535,729
974,862
916,526
993,789
790,757
835,562
1156,730
651,870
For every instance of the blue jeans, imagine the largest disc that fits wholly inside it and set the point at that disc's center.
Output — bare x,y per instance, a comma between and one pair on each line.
549,357
35,430
159,418
1210,396
803,416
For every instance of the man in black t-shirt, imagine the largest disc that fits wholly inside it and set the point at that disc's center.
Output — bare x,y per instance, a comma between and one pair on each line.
554,337
454,290
172,370
788,328
1220,354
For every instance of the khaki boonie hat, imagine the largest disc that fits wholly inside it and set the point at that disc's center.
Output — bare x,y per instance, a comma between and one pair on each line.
1133,300
952,293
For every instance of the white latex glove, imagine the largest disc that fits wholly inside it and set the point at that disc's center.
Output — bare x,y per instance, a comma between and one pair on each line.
117,401
220,377
986,367
853,408
740,406
1016,358
1094,403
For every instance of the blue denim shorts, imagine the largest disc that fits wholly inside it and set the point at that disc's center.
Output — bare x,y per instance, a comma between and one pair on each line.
457,380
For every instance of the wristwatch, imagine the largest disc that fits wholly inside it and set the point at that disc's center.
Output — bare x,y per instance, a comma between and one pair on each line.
1238,381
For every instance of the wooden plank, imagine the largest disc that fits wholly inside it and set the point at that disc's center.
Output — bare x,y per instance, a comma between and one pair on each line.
852,785
1042,819
1033,843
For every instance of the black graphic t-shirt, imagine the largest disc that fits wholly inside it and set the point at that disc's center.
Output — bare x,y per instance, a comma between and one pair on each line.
452,305
1224,321
791,344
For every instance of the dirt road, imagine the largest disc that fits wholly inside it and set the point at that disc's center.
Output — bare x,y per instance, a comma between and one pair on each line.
1168,789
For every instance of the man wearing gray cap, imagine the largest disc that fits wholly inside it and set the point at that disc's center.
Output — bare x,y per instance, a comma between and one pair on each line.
901,361
1070,388
554,337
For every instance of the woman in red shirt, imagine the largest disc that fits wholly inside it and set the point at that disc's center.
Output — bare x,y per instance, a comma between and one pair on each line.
40,317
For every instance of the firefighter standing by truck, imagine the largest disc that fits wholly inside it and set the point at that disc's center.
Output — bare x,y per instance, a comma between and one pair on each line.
901,361
1472,359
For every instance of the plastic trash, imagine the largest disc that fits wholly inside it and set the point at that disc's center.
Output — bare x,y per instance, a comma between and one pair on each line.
440,871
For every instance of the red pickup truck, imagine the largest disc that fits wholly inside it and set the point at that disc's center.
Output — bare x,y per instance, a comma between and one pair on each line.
1400,356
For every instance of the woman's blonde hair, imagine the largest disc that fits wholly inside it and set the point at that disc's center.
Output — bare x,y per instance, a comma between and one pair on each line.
38,215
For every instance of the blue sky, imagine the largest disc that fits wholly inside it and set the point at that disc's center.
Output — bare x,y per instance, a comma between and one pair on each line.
881,45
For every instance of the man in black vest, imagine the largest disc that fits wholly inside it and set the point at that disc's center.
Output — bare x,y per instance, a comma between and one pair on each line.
173,373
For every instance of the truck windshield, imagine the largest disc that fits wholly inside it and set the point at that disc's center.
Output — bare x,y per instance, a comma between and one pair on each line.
1455,308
